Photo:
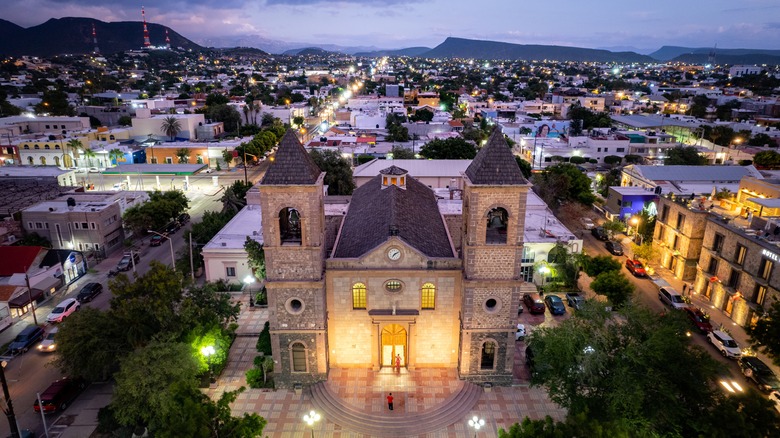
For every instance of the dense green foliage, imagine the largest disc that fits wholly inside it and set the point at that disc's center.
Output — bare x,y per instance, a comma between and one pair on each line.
563,182
685,155
157,212
615,286
339,171
454,148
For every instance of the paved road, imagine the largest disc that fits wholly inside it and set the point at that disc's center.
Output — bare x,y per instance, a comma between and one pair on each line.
34,371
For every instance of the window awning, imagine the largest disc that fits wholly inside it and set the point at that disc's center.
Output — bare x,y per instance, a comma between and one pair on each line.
23,300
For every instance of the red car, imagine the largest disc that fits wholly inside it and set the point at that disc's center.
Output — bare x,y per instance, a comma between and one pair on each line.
534,303
635,267
59,394
699,319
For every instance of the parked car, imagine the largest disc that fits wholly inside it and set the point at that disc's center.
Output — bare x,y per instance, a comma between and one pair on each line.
727,346
575,300
600,233
156,240
89,291
48,344
775,397
636,267
520,333
64,309
699,319
671,297
534,303
25,339
555,304
183,218
126,262
588,223
59,394
94,170
757,371
172,227
614,247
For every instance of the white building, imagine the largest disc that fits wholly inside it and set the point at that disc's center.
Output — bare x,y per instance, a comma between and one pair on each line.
743,70
144,124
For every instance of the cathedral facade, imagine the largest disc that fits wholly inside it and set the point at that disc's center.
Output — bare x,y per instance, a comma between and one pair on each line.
391,278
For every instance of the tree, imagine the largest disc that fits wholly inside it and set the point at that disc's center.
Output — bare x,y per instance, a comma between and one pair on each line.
767,159
745,414
422,115
525,166
171,126
765,333
298,120
401,153
183,154
609,366
338,170
256,257
216,99
454,148
157,212
633,159
227,155
762,139
686,156
226,114
614,226
115,154
396,131
577,160
563,182
612,160
595,266
33,239
125,121
210,225
645,252
615,286
89,154
55,103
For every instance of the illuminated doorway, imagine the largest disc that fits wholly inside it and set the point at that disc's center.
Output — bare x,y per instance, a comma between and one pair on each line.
393,344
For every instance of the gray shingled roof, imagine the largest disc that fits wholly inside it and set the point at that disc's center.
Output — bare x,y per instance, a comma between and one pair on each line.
292,164
393,170
374,213
495,164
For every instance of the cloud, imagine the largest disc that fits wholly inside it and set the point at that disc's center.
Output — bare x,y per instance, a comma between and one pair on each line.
377,3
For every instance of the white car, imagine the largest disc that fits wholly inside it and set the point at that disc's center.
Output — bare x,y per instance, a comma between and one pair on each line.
725,344
48,344
775,397
64,309
94,170
588,223
671,298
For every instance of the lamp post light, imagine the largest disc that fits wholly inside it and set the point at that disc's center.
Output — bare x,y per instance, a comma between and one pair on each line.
246,179
7,405
635,224
248,280
173,258
476,423
311,418
208,351
544,271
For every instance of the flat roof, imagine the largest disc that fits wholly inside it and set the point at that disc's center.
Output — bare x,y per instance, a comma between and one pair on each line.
31,171
652,121
246,223
85,201
632,190
416,168
766,202
155,169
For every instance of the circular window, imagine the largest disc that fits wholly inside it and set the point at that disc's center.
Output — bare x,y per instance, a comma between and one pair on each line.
294,306
393,286
492,305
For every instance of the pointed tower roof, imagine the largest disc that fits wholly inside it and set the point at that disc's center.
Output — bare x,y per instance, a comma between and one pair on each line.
292,165
495,164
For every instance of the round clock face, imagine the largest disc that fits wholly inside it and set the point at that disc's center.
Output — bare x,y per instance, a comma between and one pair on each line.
394,253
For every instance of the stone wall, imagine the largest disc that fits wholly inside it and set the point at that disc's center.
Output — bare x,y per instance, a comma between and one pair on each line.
316,371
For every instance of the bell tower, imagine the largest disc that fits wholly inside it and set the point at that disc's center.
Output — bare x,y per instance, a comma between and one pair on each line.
293,218
494,200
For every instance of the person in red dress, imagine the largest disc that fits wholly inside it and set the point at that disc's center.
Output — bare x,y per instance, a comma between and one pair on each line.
390,401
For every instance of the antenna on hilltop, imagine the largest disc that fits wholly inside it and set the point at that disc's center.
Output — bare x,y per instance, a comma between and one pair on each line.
711,57
96,50
147,42
167,40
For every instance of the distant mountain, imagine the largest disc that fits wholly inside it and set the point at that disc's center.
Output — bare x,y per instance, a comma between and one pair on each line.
243,51
625,49
667,53
409,51
754,58
465,48
74,36
277,46
307,51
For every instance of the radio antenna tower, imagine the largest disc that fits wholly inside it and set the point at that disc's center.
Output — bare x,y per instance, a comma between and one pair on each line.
147,42
711,57
96,50
167,40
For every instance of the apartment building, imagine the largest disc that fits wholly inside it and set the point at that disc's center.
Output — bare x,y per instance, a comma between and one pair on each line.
678,235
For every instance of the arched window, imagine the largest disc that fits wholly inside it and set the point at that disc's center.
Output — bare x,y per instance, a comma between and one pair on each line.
36,147
428,296
557,255
298,351
43,161
30,160
111,137
358,296
47,147
27,146
56,161
56,147
495,232
290,226
488,356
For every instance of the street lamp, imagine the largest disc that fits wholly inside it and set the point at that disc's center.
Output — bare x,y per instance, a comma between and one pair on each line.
173,258
476,423
246,179
208,351
8,407
248,280
311,418
635,224
544,271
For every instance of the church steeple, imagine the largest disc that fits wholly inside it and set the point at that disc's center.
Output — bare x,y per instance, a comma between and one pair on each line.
292,165
494,164
394,176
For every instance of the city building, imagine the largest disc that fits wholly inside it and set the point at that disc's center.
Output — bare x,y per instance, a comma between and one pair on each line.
686,180
90,222
625,202
678,235
386,280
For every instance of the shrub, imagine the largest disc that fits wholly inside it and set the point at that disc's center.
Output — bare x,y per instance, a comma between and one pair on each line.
577,160
254,378
264,341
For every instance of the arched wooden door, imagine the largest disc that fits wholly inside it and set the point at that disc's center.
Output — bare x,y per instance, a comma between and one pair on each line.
393,344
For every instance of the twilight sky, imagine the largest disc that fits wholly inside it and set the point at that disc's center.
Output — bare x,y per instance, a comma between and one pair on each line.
645,24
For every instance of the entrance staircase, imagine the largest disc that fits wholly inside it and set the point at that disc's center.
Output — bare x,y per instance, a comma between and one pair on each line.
454,409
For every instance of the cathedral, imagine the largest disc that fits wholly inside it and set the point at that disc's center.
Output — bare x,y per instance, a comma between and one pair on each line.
388,276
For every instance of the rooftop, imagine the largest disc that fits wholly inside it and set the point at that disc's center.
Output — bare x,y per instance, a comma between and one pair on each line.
246,223
85,201
416,168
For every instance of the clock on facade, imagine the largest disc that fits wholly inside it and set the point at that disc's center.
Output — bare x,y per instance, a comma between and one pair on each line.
394,253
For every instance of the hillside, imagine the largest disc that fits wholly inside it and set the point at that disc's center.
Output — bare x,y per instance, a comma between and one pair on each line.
316,51
409,51
74,35
478,49
667,53
751,58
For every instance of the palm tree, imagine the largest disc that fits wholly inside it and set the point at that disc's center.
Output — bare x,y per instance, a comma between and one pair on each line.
114,155
89,154
73,144
184,155
171,126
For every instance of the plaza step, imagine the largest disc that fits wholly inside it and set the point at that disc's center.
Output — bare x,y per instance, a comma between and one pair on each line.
456,408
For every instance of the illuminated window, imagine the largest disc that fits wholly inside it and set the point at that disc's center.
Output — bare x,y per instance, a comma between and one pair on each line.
393,286
358,296
428,296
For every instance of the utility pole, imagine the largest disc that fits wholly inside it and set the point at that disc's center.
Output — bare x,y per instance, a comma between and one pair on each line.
192,265
9,407
29,294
